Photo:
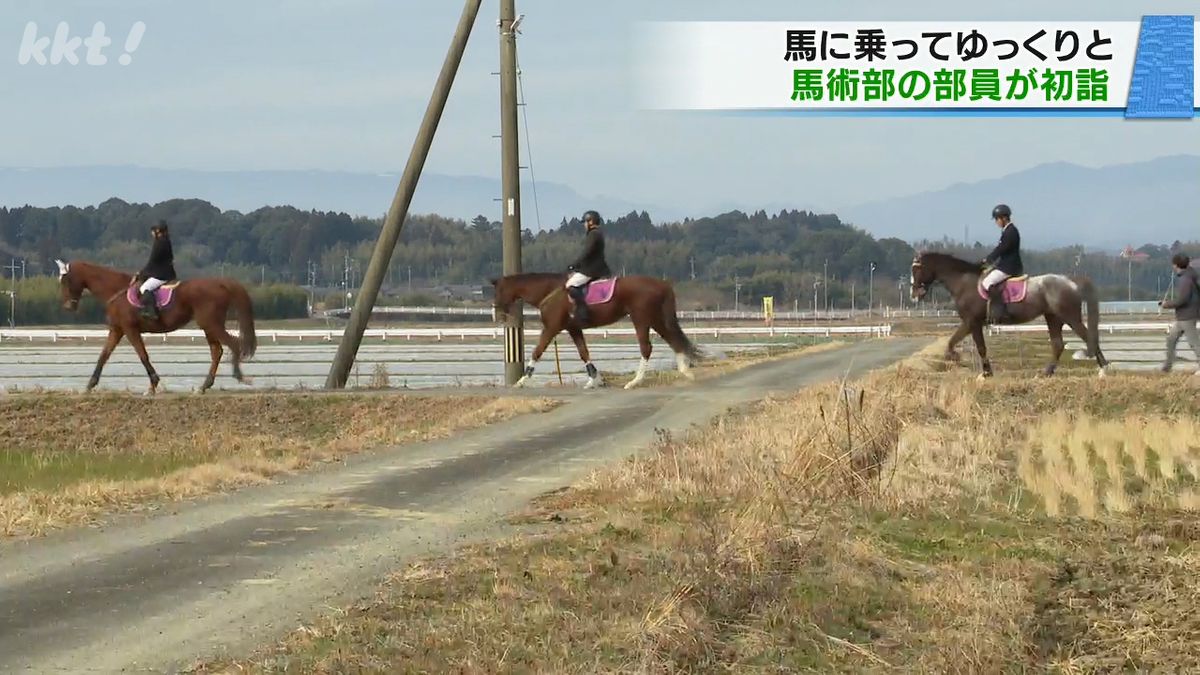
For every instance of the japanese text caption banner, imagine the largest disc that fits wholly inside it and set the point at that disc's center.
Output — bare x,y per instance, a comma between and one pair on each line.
1137,68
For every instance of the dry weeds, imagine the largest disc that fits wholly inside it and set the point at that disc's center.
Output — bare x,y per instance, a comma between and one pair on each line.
914,520
69,459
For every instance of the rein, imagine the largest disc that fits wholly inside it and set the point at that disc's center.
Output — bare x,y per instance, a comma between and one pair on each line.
553,294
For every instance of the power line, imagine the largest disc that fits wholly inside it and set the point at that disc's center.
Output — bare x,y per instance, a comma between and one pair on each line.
524,106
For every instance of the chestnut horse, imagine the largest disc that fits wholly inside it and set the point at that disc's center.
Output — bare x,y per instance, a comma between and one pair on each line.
205,300
1058,298
648,302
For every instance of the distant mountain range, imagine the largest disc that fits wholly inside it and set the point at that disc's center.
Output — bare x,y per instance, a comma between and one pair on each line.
1057,204
1156,201
358,194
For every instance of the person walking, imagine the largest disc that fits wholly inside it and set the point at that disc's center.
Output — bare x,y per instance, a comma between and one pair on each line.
1187,310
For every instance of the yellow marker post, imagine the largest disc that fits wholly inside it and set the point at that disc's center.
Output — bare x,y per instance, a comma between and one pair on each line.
769,309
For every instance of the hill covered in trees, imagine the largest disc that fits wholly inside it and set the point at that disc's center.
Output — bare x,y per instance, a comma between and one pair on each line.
781,254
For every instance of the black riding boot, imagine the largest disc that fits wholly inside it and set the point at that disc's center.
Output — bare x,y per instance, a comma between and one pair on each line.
149,305
579,294
999,309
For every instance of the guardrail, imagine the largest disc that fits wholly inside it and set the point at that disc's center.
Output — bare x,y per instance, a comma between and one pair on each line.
1110,328
1115,309
438,334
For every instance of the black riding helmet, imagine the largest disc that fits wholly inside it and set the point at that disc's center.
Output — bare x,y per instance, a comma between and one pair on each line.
593,217
1001,211
160,226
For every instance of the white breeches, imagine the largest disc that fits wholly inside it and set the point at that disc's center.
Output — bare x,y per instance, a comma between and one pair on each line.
576,280
994,277
151,284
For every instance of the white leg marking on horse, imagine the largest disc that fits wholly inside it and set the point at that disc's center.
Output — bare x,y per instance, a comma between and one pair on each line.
1102,373
641,374
684,366
529,366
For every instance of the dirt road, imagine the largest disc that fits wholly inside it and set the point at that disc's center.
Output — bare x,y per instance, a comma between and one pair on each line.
155,592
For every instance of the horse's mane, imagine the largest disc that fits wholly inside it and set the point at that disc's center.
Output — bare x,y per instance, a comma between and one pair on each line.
100,268
536,276
947,261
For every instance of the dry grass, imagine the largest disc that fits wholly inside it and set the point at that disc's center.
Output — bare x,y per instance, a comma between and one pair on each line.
915,520
66,459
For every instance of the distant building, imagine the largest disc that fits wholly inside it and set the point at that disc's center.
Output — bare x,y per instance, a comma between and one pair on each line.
1128,253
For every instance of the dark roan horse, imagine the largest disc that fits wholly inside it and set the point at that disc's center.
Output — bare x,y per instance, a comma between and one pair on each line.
648,302
207,301
1058,298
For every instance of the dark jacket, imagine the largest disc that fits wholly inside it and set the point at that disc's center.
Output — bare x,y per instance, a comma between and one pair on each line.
591,262
1187,296
1006,257
162,260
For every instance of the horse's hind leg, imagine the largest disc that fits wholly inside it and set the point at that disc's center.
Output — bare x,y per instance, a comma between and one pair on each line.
1055,326
235,352
643,337
214,348
1079,329
594,379
139,346
114,338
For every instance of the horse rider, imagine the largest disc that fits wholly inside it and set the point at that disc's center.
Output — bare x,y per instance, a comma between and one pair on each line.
160,270
1005,261
588,266
1187,310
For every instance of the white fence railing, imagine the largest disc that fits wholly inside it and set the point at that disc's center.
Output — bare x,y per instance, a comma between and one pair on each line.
1110,328
439,334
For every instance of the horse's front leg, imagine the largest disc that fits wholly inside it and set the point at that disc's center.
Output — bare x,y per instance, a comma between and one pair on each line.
139,346
548,333
981,347
594,379
114,338
961,332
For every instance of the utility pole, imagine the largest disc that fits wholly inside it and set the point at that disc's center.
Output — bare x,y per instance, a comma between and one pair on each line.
510,177
343,361
825,284
871,290
12,294
737,290
692,260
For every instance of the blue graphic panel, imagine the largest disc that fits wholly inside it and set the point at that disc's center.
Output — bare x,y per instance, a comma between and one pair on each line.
1163,72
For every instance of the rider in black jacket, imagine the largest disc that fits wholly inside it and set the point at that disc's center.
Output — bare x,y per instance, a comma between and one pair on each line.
588,266
1005,260
160,269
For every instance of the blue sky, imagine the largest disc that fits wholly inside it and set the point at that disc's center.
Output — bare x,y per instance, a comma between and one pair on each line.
342,85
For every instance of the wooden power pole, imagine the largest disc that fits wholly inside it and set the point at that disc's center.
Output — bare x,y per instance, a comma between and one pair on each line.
393,223
514,327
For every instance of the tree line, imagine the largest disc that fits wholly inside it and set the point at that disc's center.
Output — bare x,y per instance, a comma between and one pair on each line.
787,255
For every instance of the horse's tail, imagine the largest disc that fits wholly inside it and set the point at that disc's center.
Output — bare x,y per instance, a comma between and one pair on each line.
245,314
675,336
1090,297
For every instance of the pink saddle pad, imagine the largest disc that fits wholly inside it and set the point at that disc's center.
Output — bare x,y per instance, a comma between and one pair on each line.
1014,289
162,297
600,291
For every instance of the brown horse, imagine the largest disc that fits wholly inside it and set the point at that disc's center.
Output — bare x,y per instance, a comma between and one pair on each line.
205,300
648,302
1058,298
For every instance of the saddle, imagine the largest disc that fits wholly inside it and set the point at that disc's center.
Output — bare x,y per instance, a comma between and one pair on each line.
163,296
1012,289
597,291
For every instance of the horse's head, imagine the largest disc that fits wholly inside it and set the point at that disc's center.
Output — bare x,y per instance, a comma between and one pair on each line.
71,286
503,299
921,277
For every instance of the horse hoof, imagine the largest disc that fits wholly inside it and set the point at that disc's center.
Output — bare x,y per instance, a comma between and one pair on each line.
1103,372
631,385
521,382
592,383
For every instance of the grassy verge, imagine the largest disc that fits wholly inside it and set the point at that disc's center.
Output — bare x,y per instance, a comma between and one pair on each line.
66,459
917,520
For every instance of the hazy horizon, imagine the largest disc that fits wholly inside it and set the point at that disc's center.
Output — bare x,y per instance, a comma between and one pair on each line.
308,86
